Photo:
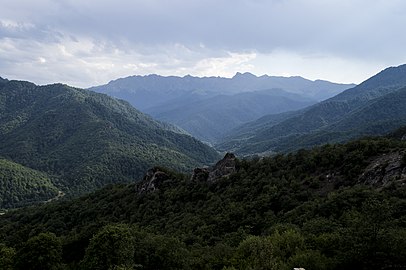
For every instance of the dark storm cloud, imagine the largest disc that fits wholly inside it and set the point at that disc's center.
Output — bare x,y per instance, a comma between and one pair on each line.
187,31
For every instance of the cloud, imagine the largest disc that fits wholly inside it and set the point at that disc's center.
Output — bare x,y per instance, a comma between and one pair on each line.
91,42
224,66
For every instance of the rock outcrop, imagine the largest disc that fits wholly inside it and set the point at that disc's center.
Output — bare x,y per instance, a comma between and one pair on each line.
153,179
385,169
223,168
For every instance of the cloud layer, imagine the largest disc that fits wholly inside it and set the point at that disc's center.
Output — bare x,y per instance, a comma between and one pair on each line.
85,43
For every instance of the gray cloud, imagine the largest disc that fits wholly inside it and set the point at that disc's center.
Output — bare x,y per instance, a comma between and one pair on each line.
87,42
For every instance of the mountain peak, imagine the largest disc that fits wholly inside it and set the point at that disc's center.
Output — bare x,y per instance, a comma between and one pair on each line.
244,75
374,107
390,76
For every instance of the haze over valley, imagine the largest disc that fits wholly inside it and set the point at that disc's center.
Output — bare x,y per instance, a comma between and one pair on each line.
197,135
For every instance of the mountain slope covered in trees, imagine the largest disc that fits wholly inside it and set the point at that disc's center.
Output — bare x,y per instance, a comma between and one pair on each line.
21,186
374,107
210,118
85,140
333,207
211,106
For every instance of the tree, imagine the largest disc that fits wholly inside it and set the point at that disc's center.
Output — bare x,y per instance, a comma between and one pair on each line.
256,253
41,252
160,252
7,256
111,248
309,259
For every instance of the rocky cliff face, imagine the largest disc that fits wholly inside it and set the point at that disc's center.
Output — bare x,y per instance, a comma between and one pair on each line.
385,169
152,180
155,177
223,168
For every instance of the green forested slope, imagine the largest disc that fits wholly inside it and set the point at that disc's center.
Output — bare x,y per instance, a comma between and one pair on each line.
327,122
209,107
210,118
21,186
87,139
377,117
334,207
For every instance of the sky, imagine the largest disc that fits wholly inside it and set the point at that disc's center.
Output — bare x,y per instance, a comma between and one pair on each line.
85,43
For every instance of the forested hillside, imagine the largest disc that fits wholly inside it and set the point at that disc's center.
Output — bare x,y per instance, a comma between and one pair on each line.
84,140
333,207
21,186
209,107
374,107
208,119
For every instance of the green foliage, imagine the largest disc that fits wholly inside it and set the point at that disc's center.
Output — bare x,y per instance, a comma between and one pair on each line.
257,253
41,252
7,256
122,247
372,108
84,141
270,214
20,185
161,252
110,248
309,259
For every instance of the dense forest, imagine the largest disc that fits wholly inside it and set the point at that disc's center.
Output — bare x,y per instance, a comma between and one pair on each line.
372,108
333,207
21,186
80,141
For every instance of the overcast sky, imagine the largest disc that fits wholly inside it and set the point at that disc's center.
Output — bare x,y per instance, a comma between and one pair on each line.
90,42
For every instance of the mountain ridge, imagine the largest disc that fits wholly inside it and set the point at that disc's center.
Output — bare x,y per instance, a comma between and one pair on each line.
321,117
241,82
189,101
87,139
208,119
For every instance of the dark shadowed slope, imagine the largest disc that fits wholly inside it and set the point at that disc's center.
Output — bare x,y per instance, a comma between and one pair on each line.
87,139
337,119
209,107
331,208
210,118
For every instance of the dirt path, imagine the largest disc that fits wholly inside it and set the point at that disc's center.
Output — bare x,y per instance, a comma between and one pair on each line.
57,197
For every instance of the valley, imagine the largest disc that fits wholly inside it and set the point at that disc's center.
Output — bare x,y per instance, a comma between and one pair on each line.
79,141
209,107
321,187
202,135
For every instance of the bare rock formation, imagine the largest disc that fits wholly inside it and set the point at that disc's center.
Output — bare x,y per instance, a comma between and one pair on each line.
152,181
223,168
385,169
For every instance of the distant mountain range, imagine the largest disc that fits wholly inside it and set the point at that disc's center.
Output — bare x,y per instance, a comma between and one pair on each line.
209,107
337,206
211,118
56,137
374,107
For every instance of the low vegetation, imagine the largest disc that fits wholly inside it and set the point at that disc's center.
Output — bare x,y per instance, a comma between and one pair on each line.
313,209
